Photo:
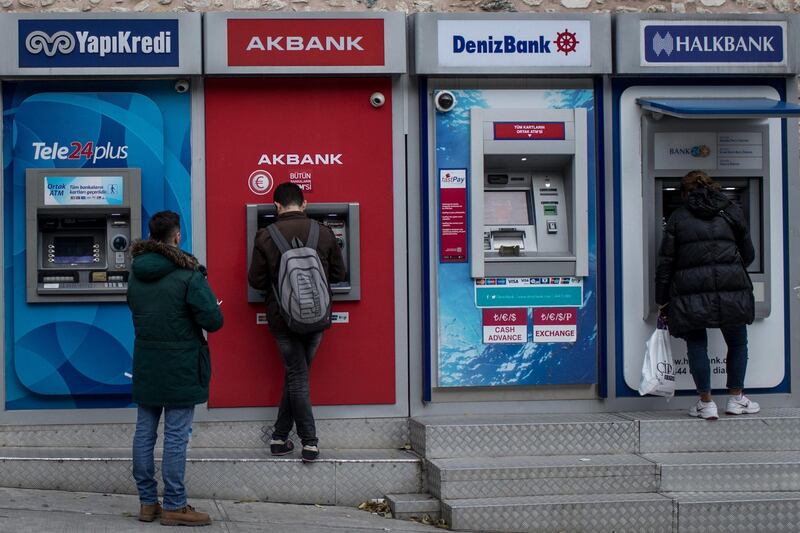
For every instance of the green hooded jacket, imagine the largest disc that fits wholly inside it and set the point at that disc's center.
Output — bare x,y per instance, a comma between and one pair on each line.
172,304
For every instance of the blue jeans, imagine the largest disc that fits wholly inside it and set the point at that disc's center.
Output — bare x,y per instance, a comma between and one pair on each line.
297,352
177,427
735,362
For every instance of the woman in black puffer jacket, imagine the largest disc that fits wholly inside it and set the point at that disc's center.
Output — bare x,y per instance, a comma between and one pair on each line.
702,282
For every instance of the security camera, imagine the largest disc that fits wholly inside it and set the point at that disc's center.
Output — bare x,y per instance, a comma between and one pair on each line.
181,86
445,101
377,99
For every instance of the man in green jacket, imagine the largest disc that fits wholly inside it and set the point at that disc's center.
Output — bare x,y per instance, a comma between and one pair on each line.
172,304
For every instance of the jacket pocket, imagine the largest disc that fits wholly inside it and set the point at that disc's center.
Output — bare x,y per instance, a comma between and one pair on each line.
204,365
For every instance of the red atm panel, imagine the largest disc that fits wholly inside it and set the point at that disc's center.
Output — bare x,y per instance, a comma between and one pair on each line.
260,124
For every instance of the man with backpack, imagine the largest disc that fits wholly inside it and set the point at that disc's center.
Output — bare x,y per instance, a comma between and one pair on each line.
294,261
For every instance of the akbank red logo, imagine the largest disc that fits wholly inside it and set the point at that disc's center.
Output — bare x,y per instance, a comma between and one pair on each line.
260,182
305,42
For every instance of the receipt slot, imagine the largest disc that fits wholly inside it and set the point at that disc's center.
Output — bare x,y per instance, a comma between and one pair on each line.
528,194
79,226
341,218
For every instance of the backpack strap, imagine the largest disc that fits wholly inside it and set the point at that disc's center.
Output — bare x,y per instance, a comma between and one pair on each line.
278,239
313,235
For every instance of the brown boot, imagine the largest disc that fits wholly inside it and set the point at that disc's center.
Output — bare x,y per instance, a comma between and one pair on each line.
184,517
149,511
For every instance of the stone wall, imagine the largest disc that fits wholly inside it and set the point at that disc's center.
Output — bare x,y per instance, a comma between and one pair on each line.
410,6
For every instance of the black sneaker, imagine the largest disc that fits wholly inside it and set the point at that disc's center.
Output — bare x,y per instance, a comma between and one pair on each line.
310,453
281,447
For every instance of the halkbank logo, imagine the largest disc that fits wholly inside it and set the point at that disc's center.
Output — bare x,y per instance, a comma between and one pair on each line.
52,43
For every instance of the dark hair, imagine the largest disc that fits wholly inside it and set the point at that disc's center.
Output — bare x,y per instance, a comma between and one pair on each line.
695,179
288,194
164,225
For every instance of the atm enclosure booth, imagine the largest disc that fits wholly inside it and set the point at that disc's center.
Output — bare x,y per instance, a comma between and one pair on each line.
97,136
509,107
680,105
328,117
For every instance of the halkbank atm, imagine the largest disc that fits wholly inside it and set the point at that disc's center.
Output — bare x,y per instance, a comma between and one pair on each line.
509,183
732,118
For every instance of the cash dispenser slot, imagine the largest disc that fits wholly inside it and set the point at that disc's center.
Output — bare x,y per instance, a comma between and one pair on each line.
80,224
343,221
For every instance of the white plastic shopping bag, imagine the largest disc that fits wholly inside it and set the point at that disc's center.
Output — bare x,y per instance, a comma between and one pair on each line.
658,369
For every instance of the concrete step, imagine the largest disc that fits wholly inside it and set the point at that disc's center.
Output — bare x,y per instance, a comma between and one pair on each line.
357,433
728,471
340,477
608,513
518,435
675,431
414,506
493,477
737,512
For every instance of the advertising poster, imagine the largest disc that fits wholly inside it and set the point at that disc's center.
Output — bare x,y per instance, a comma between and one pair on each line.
464,359
64,355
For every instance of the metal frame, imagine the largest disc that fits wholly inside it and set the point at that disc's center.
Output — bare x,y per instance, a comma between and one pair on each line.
627,48
189,61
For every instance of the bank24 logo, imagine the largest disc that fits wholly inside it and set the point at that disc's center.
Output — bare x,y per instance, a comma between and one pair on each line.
61,41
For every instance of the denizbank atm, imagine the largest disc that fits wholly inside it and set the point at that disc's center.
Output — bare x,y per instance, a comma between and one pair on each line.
508,189
715,95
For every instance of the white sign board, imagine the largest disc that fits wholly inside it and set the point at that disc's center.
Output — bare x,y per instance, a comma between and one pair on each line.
514,43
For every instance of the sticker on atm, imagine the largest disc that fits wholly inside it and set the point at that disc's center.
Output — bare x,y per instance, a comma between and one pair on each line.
505,326
83,190
555,324
529,131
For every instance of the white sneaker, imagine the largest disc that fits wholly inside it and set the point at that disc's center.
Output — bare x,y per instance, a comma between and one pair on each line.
745,406
704,410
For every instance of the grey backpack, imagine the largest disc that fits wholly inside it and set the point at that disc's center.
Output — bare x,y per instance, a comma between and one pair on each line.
303,295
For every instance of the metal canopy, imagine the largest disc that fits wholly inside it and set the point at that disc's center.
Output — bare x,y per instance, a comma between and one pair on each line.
720,107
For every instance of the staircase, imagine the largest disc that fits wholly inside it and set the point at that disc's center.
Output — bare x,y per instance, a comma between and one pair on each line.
360,459
629,472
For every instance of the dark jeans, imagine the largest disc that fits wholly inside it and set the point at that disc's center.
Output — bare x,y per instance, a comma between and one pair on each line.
736,361
297,352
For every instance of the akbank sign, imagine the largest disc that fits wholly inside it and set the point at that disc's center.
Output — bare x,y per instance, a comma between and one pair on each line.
713,43
514,43
76,43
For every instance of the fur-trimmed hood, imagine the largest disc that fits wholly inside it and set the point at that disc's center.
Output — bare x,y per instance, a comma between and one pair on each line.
153,260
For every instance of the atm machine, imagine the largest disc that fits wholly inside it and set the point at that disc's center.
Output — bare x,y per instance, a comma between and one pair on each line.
735,155
528,193
80,224
341,218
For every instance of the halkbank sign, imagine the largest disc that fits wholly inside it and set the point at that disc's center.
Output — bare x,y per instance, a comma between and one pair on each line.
713,43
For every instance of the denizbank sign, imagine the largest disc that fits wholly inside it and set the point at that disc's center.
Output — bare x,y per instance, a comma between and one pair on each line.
713,43
514,43
76,43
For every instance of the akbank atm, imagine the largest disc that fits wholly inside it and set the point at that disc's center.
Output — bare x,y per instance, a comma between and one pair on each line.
341,218
79,226
737,124
528,203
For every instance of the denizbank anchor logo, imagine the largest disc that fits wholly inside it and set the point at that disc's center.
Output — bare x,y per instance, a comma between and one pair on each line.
73,43
517,43
714,44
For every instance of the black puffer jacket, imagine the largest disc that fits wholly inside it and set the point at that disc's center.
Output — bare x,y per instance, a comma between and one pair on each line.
701,265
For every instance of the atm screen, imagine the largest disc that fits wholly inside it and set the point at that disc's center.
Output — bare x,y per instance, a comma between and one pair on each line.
506,208
73,250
